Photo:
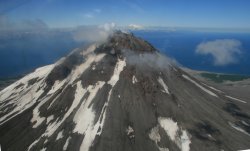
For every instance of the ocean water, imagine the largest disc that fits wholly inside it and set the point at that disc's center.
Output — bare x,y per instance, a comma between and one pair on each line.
20,54
181,46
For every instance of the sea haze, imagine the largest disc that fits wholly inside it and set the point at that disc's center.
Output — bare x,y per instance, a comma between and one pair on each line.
181,46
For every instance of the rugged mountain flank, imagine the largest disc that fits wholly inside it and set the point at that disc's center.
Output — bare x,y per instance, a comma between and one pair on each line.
121,95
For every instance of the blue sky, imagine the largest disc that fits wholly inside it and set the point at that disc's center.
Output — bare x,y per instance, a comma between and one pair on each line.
169,13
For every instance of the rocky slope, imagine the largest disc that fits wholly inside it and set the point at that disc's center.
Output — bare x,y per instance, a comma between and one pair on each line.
122,95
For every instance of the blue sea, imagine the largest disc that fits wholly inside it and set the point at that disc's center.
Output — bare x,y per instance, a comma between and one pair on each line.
181,46
20,54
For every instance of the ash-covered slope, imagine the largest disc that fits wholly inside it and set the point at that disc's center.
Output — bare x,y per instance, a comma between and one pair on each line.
119,96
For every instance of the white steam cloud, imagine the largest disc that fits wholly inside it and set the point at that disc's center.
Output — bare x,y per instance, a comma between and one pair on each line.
223,51
149,61
93,33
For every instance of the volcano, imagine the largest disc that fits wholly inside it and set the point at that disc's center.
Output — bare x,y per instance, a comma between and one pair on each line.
119,95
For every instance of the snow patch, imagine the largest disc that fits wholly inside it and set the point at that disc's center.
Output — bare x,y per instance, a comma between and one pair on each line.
51,103
83,67
52,127
118,68
42,71
134,80
25,97
59,135
77,99
25,101
155,136
184,141
93,67
85,115
50,118
235,99
36,117
212,88
43,149
113,80
65,146
198,85
39,73
172,129
92,130
243,122
33,144
57,85
163,149
160,80
175,69
169,126
238,128
89,50
87,128
130,132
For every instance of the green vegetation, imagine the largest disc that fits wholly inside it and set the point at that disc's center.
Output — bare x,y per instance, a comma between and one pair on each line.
219,78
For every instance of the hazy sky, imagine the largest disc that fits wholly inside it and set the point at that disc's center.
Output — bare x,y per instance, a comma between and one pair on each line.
182,13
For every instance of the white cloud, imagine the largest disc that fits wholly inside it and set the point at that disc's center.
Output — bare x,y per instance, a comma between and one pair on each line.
97,10
94,33
93,13
108,26
88,15
223,51
135,26
148,61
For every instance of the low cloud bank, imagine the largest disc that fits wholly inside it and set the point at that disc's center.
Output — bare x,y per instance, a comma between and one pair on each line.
223,51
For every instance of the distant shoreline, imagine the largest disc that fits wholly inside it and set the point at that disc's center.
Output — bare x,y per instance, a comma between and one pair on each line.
216,77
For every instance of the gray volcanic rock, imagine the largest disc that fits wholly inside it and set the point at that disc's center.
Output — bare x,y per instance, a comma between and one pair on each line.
122,95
